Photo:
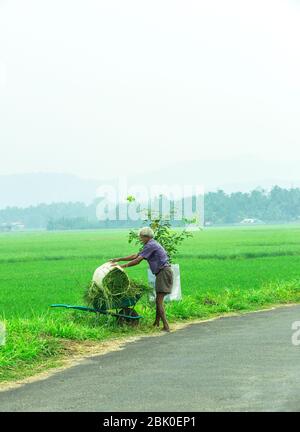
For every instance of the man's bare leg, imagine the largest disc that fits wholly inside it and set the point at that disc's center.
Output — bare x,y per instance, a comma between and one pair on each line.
157,317
161,310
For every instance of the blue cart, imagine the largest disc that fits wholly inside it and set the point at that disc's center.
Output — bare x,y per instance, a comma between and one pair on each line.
124,310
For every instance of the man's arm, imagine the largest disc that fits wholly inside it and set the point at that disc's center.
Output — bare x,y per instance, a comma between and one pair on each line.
133,262
127,258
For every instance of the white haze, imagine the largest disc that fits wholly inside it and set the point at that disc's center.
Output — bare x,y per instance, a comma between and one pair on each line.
107,88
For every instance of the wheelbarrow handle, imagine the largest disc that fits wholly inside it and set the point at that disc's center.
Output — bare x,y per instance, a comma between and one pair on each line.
102,311
83,308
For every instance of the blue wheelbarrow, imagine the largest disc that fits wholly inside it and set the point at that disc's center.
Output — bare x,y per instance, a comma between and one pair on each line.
124,310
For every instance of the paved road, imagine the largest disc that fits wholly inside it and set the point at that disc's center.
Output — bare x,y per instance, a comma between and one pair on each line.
244,363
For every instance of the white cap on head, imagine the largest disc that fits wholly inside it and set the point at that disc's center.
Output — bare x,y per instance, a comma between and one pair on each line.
146,232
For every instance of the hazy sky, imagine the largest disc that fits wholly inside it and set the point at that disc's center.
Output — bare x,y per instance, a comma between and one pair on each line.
99,88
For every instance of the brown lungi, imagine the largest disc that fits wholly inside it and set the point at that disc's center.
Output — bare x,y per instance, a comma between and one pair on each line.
164,280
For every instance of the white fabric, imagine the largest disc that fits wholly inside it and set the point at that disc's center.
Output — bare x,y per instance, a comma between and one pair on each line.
176,289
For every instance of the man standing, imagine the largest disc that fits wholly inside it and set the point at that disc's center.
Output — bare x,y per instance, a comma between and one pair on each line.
158,261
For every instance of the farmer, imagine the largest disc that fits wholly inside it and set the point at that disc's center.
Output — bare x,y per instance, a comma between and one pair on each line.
158,261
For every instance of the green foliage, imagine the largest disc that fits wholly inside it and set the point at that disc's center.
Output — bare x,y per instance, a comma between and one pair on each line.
278,205
163,233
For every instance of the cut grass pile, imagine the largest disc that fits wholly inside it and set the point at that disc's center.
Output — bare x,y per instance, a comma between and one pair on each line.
112,290
115,288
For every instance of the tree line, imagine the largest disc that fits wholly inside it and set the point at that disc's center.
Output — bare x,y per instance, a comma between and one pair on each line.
277,205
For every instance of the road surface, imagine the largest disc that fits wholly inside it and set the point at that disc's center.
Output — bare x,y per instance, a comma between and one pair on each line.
242,363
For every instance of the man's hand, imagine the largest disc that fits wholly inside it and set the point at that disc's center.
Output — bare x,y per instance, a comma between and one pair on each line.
114,264
131,263
127,258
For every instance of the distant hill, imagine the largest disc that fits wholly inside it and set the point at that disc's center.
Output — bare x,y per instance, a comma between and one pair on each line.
232,175
24,190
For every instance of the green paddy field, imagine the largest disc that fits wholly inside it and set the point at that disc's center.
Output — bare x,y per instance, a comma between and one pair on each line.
223,270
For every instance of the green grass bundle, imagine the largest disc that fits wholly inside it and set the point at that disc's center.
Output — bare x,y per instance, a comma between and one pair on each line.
115,288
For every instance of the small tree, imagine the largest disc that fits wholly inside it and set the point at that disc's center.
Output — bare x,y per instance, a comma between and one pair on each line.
163,233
